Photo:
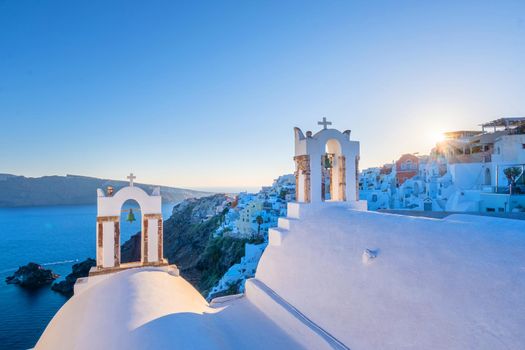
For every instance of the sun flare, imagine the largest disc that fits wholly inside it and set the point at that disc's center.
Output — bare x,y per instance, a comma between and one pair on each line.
438,136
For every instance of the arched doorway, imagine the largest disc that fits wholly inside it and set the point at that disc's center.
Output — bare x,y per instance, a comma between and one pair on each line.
130,232
488,179
333,172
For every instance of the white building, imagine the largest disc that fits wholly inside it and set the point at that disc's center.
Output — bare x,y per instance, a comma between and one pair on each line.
465,172
240,272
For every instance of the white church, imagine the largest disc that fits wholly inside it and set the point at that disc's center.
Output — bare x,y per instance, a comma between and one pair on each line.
334,276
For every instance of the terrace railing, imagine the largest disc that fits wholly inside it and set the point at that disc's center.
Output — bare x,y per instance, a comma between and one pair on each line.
482,157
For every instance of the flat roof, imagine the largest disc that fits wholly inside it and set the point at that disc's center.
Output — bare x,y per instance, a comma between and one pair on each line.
504,122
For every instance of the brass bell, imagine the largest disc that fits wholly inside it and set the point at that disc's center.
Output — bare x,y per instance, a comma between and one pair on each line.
131,216
327,162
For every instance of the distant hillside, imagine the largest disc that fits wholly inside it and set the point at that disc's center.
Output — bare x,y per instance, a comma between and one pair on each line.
16,191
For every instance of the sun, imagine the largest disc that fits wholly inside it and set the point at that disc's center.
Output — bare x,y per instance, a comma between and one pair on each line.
438,136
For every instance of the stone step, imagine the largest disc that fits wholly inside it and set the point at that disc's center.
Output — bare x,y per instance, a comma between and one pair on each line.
276,236
286,223
293,210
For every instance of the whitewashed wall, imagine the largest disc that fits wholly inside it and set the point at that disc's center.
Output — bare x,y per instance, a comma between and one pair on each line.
455,283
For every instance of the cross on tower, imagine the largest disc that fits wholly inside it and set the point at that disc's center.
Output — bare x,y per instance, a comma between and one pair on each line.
131,177
324,123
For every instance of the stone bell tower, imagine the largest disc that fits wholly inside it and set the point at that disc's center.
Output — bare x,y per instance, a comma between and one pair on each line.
326,166
326,173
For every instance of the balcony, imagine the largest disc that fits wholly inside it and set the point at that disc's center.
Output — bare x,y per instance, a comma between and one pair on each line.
517,190
482,157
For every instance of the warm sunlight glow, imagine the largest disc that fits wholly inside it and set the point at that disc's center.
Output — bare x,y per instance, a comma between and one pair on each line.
438,137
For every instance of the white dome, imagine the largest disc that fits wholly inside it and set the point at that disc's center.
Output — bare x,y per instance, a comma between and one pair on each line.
147,308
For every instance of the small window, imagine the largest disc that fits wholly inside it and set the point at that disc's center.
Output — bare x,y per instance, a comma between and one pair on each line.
523,145
491,210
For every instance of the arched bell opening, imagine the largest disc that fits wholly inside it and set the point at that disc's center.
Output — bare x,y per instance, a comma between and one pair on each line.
131,228
333,172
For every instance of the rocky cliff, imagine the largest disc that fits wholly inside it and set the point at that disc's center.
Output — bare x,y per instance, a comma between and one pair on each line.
130,250
189,242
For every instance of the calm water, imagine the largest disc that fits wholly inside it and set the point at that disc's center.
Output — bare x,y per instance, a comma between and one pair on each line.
53,236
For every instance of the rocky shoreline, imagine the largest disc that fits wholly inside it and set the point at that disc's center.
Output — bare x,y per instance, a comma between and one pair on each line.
79,270
32,276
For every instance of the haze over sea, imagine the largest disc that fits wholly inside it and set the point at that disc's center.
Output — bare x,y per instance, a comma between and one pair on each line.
56,237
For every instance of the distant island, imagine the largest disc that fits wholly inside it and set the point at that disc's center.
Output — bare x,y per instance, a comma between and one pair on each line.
18,191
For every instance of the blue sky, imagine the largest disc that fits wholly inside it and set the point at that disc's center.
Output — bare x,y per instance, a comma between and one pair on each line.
199,94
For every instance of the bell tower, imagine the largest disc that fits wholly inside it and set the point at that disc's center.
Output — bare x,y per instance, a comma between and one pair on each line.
326,165
109,208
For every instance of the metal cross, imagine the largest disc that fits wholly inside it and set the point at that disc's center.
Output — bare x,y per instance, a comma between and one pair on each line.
131,178
324,123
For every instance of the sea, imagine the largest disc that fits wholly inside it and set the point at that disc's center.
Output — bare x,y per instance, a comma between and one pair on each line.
56,237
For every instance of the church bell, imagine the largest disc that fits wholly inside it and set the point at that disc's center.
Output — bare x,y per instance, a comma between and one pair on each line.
327,162
131,216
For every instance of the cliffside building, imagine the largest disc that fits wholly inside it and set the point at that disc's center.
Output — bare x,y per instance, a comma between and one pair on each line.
467,171
406,168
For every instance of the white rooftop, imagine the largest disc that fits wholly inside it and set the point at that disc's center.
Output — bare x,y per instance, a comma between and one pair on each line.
454,283
147,308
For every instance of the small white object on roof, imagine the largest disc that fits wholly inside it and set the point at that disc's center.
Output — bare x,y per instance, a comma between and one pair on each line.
369,255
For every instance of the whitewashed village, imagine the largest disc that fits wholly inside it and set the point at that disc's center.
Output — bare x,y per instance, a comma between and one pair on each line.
325,270
468,171
252,215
